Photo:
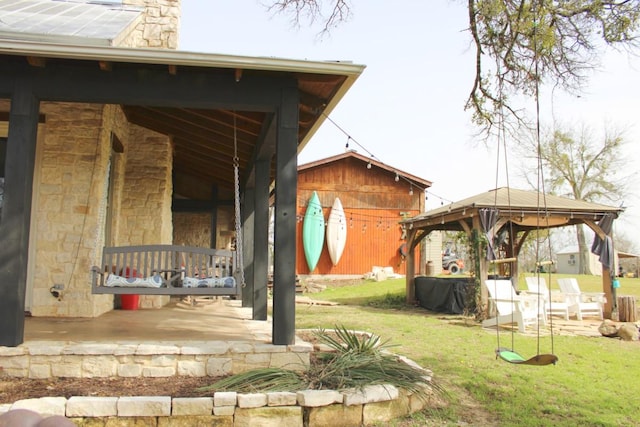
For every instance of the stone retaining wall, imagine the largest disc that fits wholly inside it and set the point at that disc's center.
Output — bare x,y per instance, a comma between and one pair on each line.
314,408
46,359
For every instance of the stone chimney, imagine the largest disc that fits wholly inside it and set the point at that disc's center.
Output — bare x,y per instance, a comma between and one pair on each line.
158,27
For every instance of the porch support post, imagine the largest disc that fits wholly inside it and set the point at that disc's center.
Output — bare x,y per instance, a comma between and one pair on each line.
248,248
16,211
261,240
284,279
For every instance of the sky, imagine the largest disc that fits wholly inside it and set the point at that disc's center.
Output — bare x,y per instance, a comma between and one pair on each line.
407,107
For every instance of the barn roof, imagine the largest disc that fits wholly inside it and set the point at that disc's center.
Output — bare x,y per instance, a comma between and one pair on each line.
420,183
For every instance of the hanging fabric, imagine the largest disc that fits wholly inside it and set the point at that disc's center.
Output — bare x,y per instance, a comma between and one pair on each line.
604,247
488,219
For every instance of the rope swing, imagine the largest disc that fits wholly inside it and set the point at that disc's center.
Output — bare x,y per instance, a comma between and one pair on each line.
509,354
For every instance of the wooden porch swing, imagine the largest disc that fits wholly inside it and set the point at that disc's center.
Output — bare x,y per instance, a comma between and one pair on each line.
174,269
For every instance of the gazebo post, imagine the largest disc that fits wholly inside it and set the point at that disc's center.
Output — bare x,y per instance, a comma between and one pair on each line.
410,274
483,274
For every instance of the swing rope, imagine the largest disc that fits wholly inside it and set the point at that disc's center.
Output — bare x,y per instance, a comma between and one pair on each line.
541,191
510,355
238,219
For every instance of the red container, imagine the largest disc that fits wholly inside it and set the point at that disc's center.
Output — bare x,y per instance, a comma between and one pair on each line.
130,302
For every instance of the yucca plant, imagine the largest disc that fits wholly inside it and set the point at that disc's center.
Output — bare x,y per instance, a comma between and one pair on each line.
354,361
260,380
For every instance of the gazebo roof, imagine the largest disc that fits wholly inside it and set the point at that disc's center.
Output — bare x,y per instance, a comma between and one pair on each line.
527,209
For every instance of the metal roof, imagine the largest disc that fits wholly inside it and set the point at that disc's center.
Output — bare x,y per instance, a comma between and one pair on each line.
66,21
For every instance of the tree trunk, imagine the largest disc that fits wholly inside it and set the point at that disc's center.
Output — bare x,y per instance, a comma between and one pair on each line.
585,265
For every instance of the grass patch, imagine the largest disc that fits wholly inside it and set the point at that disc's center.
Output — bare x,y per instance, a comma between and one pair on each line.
591,385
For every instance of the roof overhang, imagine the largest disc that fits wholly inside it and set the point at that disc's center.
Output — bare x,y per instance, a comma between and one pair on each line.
321,86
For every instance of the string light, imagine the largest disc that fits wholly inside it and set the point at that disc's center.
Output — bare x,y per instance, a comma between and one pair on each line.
369,165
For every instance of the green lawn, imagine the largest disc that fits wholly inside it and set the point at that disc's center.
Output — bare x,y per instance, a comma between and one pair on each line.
595,382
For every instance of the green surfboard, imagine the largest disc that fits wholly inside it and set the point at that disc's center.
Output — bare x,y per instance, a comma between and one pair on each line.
313,232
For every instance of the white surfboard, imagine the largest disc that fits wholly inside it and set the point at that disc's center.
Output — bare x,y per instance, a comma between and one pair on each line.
336,231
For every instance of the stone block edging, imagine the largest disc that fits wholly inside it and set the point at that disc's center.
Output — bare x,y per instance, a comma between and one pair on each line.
326,407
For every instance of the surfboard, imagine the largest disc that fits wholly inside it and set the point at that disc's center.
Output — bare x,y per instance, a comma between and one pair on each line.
313,232
336,231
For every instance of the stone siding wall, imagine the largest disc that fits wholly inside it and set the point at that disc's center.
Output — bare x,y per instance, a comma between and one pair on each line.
158,27
146,201
73,184
71,209
145,211
72,191
73,168
192,229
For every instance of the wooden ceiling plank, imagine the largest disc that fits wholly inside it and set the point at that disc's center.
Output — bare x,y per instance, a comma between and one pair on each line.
36,61
183,122
105,65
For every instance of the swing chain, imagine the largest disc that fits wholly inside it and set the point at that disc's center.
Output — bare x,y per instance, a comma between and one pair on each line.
238,219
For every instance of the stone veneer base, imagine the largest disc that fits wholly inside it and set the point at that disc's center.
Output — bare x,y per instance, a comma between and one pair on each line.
46,359
315,408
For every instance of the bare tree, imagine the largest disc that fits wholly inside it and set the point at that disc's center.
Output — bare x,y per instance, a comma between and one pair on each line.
530,42
519,44
579,166
337,12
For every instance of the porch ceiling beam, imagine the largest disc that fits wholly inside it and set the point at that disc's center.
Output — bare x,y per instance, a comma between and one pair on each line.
265,149
143,84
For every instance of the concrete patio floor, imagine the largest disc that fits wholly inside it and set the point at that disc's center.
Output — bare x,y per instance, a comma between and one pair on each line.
588,327
207,320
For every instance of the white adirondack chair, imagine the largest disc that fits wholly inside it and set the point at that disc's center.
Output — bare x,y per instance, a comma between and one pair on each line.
538,286
582,303
511,308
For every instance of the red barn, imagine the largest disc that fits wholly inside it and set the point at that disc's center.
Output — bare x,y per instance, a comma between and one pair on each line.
375,197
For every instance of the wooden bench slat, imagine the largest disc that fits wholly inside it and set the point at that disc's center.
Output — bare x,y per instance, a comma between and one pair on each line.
172,262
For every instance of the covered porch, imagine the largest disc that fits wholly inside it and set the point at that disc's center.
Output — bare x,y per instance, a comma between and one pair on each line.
206,116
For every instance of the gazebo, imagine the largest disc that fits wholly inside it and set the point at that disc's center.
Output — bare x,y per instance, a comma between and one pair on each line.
513,214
